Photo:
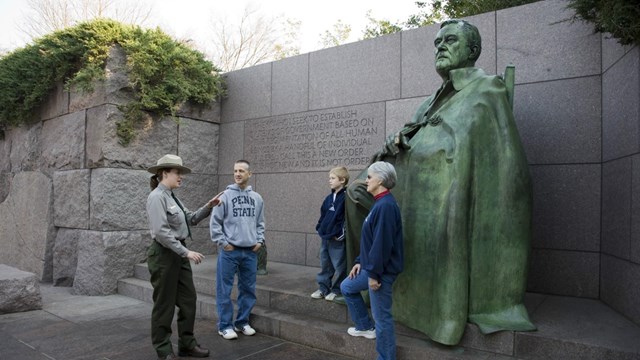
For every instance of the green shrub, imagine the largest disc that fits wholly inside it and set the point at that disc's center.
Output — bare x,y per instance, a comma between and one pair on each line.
620,18
163,73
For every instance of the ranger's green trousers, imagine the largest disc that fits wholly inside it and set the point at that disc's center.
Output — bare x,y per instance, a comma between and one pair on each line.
172,283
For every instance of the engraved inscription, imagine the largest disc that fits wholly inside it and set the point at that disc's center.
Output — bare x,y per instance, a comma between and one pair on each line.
315,140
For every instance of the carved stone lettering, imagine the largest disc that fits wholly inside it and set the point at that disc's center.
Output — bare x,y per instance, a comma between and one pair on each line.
316,140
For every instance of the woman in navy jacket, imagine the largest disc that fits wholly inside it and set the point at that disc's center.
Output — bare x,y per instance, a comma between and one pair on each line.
380,261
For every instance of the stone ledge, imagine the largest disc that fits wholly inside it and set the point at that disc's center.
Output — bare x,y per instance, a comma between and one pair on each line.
19,290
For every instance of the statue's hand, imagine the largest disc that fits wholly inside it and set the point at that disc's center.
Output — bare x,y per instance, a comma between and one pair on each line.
392,146
401,142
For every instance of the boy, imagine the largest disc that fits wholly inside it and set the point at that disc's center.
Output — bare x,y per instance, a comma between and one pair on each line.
330,227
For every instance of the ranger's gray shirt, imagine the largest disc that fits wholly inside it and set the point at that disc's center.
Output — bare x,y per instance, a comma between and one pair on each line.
167,222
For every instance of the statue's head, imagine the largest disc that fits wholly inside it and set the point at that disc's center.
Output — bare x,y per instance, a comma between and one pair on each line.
458,45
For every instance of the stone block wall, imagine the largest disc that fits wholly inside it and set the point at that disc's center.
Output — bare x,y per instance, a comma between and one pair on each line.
74,200
577,109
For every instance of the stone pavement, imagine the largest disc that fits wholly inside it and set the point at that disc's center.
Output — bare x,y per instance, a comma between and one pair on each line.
116,327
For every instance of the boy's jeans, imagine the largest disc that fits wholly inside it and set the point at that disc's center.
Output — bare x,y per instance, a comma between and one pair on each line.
333,261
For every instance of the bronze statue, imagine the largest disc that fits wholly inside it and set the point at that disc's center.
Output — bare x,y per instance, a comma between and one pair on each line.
465,196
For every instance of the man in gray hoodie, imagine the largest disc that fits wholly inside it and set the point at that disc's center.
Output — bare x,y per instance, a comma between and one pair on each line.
237,227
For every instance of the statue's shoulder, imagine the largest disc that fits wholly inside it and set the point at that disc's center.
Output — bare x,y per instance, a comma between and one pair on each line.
485,82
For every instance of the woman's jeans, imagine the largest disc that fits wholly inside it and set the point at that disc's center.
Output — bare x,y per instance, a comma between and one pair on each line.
381,301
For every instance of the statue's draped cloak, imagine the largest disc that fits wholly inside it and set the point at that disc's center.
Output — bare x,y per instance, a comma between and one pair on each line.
465,196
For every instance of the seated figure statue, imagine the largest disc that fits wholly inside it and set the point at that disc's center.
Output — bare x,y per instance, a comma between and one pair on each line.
465,197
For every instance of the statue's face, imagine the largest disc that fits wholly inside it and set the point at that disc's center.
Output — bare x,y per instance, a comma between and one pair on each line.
452,49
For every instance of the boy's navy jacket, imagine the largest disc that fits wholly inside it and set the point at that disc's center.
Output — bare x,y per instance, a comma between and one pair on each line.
331,222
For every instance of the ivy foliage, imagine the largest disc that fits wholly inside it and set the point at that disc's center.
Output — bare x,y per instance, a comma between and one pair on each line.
620,18
163,73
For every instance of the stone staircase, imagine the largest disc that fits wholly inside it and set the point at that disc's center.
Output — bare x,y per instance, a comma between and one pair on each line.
568,328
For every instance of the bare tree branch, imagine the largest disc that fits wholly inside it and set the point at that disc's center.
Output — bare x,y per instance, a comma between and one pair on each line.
46,16
255,39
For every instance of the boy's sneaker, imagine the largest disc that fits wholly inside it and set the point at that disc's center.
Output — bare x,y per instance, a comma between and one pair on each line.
369,334
317,294
330,296
228,334
246,329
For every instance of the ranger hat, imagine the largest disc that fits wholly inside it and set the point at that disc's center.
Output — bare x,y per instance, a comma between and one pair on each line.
169,162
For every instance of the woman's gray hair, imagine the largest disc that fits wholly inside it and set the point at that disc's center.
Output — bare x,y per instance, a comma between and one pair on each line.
386,172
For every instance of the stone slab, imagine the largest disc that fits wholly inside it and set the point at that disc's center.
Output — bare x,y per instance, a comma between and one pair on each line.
56,104
279,193
62,142
619,286
398,113
501,342
316,140
290,91
202,240
118,199
524,35
106,257
25,153
621,108
27,232
419,76
571,328
156,138
559,272
356,73
612,51
313,250
5,152
286,247
65,256
114,89
556,125
198,145
566,206
249,93
195,191
231,146
5,185
616,207
210,112
71,198
20,290
635,209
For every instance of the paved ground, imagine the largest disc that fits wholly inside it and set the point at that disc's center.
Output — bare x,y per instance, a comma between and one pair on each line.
117,328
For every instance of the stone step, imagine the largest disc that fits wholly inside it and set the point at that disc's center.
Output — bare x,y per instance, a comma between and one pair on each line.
317,333
568,328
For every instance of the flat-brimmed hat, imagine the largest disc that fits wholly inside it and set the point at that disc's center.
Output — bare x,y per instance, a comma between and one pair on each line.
169,162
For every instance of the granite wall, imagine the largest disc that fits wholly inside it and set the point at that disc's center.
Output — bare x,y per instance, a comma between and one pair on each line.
73,199
577,109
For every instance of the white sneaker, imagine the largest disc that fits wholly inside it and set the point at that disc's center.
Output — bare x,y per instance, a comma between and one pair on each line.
369,334
330,296
228,334
317,294
247,330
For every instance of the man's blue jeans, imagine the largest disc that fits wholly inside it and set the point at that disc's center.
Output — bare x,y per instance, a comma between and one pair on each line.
243,262
381,301
333,262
